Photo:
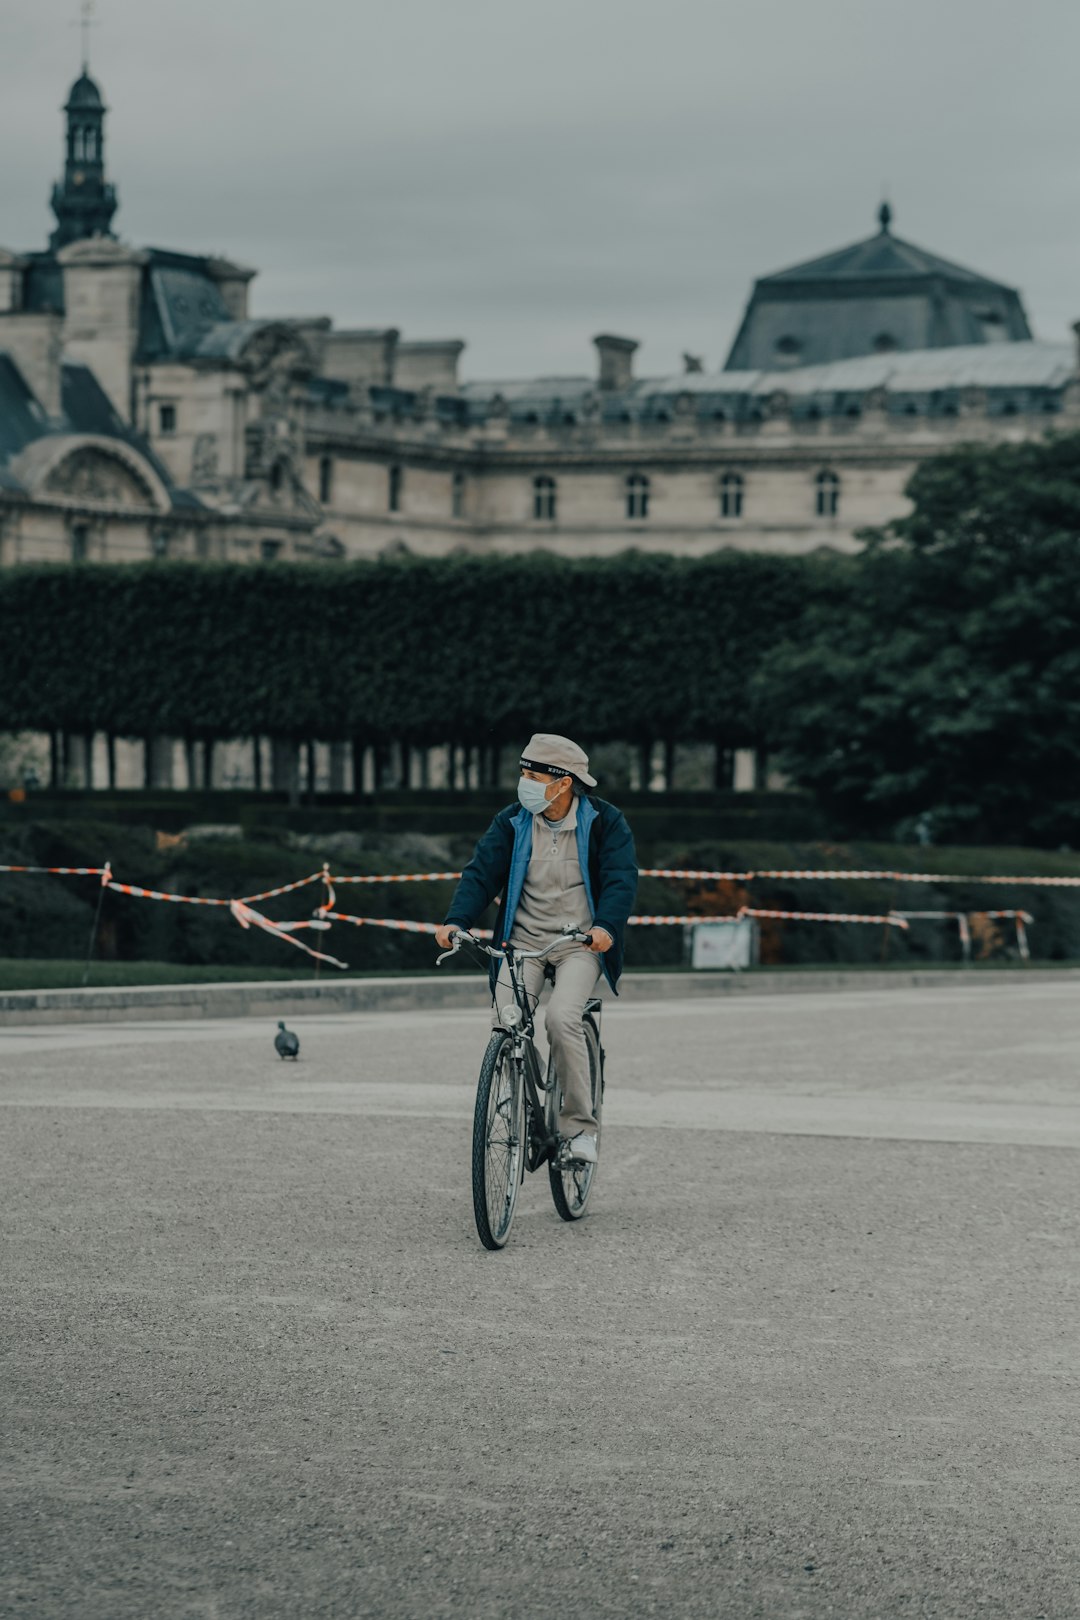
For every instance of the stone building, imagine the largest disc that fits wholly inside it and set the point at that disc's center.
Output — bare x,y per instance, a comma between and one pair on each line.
145,413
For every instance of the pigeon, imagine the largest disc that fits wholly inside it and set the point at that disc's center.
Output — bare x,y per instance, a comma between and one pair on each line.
286,1044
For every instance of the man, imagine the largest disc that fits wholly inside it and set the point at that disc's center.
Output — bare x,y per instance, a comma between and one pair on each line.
557,858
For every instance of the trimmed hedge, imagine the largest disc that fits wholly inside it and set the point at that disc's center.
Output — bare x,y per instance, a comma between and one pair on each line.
416,650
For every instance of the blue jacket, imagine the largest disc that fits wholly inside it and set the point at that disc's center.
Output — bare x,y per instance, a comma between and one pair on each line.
501,859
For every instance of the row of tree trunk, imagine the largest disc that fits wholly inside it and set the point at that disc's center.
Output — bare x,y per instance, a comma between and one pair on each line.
290,767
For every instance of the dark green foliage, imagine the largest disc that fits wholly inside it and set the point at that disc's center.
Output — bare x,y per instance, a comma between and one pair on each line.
936,677
639,647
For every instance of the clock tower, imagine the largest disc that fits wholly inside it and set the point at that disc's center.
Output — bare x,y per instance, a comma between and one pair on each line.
83,202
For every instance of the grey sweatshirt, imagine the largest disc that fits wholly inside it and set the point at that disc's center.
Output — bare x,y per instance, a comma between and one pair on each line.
554,894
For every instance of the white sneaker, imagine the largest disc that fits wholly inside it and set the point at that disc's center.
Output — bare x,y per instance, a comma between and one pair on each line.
582,1146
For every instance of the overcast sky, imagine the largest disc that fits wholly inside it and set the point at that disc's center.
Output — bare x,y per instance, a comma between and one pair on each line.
526,173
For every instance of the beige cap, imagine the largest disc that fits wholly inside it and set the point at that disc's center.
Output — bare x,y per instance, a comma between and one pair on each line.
557,756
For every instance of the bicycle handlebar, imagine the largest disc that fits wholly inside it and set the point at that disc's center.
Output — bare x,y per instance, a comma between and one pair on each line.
460,935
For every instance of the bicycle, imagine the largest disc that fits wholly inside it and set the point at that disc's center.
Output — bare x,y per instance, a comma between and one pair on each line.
515,1121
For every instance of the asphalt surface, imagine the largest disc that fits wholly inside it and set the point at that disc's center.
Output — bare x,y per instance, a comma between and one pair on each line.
814,1353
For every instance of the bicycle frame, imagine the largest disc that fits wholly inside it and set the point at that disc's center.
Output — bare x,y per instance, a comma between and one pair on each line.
542,1144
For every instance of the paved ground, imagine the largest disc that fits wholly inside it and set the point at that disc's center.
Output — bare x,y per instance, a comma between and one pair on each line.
814,1354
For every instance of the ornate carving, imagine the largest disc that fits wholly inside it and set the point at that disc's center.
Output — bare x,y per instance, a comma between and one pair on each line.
204,459
91,476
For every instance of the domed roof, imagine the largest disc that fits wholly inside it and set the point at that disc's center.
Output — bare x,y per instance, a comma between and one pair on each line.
84,93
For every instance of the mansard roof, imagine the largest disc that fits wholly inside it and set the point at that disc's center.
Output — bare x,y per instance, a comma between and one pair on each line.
85,409
181,301
879,293
980,365
882,255
1014,375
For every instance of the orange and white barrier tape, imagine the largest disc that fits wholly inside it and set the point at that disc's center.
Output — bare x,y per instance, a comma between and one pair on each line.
928,877
286,888
403,877
680,872
247,918
60,871
399,923
175,899
674,922
892,920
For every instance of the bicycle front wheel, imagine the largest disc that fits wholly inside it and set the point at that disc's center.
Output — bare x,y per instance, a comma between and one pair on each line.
571,1184
498,1144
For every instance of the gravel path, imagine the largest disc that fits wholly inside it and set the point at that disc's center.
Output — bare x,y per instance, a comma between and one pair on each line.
815,1353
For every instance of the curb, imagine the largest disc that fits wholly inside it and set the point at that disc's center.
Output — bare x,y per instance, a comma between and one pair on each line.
283,998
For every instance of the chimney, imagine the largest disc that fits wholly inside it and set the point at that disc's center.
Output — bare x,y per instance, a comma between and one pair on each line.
102,282
616,363
431,364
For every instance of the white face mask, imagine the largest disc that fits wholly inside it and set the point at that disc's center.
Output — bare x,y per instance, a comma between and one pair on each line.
533,795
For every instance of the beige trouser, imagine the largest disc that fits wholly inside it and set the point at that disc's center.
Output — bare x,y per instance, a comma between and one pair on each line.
576,972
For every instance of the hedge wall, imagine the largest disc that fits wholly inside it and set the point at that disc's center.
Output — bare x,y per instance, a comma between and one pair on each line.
421,651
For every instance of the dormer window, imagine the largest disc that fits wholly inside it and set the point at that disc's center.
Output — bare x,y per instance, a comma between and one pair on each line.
788,350
885,343
991,325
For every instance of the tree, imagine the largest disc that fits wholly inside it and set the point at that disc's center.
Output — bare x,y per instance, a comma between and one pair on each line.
937,675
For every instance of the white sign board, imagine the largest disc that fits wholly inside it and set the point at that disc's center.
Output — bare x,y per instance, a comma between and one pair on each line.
727,944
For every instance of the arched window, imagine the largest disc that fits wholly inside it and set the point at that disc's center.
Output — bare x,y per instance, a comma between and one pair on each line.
544,493
731,495
828,494
637,496
326,479
457,495
393,489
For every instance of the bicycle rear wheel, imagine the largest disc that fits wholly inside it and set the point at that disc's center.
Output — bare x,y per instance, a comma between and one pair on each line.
571,1184
498,1143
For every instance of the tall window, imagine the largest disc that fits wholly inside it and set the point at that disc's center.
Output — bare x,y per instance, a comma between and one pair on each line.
457,495
393,490
270,550
166,419
80,542
637,496
731,495
544,493
828,494
326,479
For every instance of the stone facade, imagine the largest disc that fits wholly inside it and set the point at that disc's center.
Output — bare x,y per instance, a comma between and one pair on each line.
144,412
264,439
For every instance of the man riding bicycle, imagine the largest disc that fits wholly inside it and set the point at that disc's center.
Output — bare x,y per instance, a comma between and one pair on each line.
559,859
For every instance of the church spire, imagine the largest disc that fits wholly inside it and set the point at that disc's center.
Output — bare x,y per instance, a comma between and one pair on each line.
83,202
884,215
